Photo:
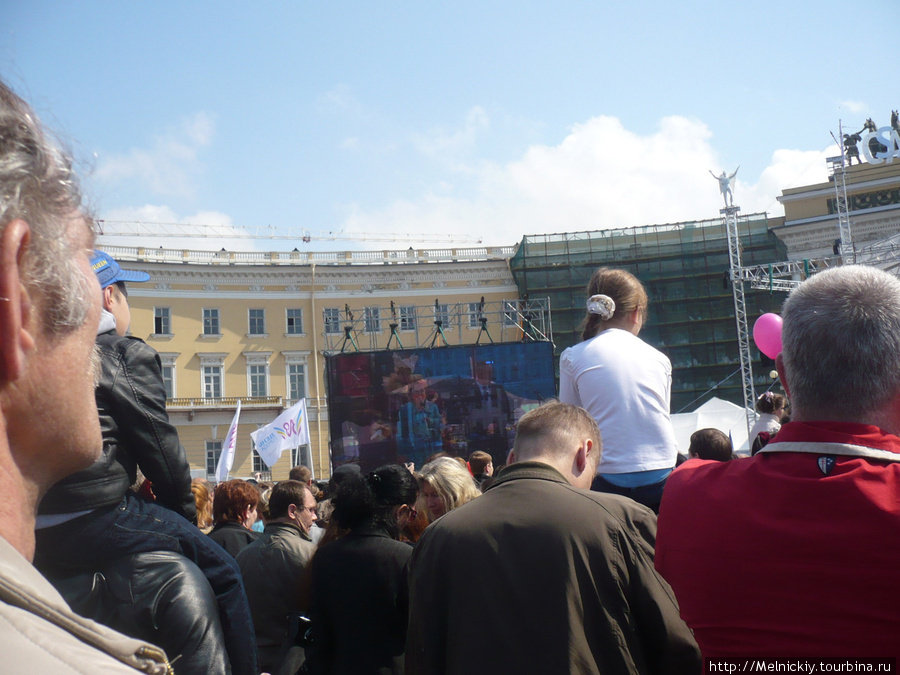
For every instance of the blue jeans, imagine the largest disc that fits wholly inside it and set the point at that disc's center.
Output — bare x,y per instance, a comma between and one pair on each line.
648,495
138,526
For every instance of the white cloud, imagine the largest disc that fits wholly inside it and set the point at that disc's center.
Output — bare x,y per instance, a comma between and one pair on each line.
340,98
169,166
452,144
854,107
600,176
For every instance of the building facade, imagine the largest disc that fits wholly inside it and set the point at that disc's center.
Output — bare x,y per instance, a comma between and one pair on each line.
255,327
810,226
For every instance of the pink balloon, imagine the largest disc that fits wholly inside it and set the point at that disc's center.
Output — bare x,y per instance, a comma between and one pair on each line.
767,334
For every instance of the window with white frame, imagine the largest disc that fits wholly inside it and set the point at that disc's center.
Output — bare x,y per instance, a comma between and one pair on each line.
162,321
442,314
258,463
258,380
211,321
296,380
332,317
257,322
475,313
294,322
168,372
213,452
257,373
300,456
212,367
372,319
295,374
510,313
212,381
408,317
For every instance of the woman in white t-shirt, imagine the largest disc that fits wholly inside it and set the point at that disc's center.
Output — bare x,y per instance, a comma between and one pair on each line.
626,385
770,407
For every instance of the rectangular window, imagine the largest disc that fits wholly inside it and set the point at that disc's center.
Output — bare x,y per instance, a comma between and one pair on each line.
258,380
162,321
212,381
296,381
300,456
211,321
442,314
258,464
474,314
372,316
213,451
168,376
510,313
294,321
332,320
257,322
408,317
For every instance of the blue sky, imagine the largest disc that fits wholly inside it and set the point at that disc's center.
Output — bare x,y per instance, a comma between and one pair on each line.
424,122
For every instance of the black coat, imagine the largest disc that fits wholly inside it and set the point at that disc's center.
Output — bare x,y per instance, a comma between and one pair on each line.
233,537
131,400
359,605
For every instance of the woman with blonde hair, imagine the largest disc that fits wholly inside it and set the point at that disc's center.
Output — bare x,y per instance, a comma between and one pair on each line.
203,500
626,385
446,485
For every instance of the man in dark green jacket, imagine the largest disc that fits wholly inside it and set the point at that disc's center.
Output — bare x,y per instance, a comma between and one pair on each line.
541,575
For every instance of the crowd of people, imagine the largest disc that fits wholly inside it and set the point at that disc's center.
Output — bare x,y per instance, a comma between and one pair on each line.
594,550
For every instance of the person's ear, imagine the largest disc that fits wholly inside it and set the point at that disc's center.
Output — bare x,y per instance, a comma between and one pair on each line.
17,321
511,457
109,294
585,448
292,510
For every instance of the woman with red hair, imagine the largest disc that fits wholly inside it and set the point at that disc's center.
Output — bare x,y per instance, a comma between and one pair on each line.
234,512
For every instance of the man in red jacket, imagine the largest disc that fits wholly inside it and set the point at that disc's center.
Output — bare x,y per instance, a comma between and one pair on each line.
793,552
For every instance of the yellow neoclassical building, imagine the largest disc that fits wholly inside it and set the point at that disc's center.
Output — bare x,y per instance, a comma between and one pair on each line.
256,326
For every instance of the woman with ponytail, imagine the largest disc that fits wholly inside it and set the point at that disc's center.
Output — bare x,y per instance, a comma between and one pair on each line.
626,385
359,581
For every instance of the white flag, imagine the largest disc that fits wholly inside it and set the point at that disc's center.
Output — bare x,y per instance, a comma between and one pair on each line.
289,430
226,459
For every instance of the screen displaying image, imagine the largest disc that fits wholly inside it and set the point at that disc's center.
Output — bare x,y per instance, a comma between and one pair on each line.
406,405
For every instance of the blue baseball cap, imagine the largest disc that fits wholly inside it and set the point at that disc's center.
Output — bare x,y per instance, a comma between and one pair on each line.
108,271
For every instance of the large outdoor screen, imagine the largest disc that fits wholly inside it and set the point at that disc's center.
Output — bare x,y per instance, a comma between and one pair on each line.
406,405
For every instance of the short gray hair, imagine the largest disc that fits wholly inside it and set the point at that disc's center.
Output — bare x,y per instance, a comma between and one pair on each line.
841,343
38,185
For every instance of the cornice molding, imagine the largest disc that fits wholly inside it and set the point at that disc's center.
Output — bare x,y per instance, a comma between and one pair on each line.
213,277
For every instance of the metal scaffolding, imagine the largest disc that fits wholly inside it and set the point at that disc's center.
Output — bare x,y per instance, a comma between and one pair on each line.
740,311
437,325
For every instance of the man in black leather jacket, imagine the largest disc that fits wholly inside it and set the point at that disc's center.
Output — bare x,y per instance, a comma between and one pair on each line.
92,517
131,400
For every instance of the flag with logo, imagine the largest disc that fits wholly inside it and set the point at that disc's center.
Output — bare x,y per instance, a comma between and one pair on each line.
289,430
226,458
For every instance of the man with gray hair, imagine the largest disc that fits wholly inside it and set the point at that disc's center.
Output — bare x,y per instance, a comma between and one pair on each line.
793,552
541,575
49,427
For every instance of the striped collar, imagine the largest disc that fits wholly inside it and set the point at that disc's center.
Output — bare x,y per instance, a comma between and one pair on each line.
836,438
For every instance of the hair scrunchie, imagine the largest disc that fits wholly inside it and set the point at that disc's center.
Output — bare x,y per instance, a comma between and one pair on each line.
602,305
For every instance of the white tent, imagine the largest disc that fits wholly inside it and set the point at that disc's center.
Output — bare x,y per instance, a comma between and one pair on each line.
717,414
